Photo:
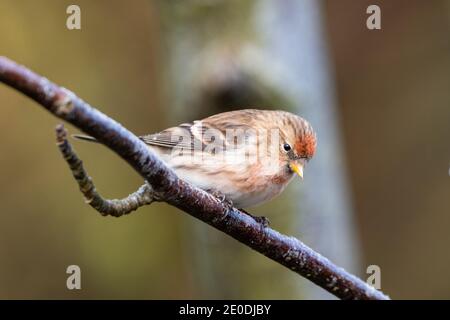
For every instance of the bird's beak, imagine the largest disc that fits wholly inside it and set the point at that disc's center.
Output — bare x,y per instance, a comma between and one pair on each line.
297,168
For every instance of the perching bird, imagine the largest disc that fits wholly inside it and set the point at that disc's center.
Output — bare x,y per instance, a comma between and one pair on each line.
249,156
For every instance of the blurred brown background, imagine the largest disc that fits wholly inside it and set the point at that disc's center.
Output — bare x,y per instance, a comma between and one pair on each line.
393,108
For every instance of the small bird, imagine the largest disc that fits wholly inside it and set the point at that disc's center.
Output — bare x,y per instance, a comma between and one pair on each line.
249,156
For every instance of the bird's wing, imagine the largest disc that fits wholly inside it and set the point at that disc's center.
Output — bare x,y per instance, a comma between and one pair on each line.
185,136
197,135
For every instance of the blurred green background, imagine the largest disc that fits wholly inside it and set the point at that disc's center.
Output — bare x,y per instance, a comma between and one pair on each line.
393,110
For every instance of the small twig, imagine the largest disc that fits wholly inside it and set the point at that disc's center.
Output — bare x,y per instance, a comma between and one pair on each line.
166,186
114,207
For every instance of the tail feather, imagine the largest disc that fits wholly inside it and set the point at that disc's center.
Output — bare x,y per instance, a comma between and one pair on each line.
84,137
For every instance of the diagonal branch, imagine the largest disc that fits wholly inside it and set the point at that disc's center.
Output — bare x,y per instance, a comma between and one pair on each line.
114,207
288,251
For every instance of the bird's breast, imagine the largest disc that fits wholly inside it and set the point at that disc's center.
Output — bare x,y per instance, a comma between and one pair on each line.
246,184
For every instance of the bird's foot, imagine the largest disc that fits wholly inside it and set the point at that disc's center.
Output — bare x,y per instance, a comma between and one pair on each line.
221,197
265,222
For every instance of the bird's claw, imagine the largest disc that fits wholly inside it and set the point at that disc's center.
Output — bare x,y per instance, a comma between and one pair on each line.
221,197
263,221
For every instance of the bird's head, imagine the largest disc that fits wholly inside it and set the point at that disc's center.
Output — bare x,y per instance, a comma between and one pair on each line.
298,143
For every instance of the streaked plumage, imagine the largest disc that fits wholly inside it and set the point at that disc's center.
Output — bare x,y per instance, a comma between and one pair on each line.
246,183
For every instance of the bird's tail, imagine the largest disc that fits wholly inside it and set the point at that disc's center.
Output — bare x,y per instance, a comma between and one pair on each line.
84,137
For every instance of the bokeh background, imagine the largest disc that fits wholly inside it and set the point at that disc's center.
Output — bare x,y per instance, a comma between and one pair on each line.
378,191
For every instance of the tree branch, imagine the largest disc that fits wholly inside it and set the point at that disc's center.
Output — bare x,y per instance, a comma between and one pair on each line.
167,187
115,207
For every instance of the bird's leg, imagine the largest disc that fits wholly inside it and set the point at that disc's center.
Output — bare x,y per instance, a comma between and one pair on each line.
260,219
221,197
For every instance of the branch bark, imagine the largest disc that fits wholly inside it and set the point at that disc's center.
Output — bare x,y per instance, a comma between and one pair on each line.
166,186
115,207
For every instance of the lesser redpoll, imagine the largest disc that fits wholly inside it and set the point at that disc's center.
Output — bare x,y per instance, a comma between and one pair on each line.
248,155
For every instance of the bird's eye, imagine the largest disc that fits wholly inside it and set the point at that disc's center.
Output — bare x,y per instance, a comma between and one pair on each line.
287,147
